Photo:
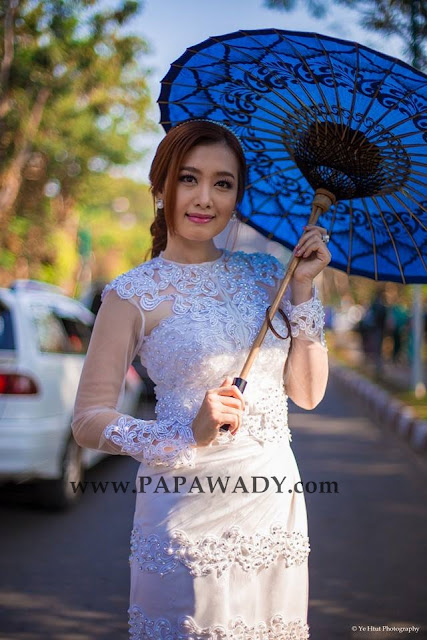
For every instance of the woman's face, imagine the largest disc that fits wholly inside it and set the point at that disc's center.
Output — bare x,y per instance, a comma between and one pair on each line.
206,192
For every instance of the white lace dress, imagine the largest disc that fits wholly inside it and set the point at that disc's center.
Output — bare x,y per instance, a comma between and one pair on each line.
219,546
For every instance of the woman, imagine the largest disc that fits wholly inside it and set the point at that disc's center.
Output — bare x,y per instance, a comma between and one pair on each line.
215,552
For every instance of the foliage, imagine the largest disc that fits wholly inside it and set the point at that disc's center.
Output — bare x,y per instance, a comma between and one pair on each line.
73,94
406,19
118,214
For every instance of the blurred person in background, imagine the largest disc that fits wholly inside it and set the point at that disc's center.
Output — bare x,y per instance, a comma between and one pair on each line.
398,327
372,328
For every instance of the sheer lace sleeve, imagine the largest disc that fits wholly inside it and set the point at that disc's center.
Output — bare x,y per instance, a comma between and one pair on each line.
117,337
307,319
306,369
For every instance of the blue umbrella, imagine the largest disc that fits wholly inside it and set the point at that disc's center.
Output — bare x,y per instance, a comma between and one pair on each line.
326,124
318,115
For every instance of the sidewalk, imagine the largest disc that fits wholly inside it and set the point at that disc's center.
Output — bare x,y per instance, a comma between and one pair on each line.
377,392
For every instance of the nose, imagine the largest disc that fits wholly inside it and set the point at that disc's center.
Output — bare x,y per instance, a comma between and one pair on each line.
203,196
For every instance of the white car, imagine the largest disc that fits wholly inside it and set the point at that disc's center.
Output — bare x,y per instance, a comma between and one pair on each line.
44,336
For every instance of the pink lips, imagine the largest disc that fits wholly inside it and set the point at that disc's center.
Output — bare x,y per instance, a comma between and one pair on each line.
199,219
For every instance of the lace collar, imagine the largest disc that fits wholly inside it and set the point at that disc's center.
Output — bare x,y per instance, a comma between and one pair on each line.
208,263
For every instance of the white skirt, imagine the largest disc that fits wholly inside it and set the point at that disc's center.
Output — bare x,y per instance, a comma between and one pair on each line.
220,551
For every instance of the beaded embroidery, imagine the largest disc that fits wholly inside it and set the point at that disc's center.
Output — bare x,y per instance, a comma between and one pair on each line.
223,303
277,628
146,439
217,554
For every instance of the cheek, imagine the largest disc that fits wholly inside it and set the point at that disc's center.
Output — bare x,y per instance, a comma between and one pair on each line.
181,202
229,201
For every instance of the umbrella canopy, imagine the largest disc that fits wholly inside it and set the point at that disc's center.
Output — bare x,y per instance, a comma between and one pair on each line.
317,112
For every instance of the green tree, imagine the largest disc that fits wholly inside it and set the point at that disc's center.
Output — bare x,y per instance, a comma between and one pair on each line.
73,93
406,19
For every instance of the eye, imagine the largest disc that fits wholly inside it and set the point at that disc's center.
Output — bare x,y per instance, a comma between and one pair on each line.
225,183
187,177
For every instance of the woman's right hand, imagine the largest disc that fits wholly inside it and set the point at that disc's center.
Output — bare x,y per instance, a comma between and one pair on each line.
224,405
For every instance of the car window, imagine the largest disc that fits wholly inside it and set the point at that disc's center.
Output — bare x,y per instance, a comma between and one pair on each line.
7,336
60,330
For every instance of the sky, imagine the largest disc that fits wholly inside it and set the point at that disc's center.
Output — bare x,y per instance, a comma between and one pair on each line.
170,26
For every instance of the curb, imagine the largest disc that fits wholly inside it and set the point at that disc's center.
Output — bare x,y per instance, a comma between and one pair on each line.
383,407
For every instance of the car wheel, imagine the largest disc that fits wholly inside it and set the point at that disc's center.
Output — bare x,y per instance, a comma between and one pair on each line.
59,493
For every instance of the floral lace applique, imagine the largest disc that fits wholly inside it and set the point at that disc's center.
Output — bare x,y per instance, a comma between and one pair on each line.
307,318
141,627
148,441
218,553
187,284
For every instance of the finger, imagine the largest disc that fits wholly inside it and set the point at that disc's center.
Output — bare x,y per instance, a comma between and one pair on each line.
309,235
235,411
307,238
232,419
314,226
229,401
308,247
227,382
235,426
232,391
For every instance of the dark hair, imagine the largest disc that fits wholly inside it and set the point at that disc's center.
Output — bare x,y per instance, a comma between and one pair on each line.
167,163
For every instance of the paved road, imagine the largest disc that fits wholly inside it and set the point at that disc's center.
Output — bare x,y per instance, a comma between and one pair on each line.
66,576
368,560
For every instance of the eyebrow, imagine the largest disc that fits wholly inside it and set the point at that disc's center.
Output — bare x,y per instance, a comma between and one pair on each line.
218,173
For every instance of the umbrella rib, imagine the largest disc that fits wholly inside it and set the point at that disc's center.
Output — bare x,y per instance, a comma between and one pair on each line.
281,61
396,124
263,178
255,128
243,136
385,77
281,217
283,158
192,103
350,243
337,97
308,68
229,79
396,197
279,135
388,111
334,215
374,245
270,149
408,134
416,144
412,188
411,179
353,97
249,73
390,204
391,238
272,233
276,124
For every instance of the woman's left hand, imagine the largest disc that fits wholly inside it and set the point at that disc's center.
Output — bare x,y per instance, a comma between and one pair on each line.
314,253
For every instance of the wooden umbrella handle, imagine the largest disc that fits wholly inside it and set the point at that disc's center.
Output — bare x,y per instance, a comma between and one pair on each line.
322,200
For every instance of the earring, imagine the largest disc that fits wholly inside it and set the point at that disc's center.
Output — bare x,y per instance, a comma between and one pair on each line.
234,216
159,203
